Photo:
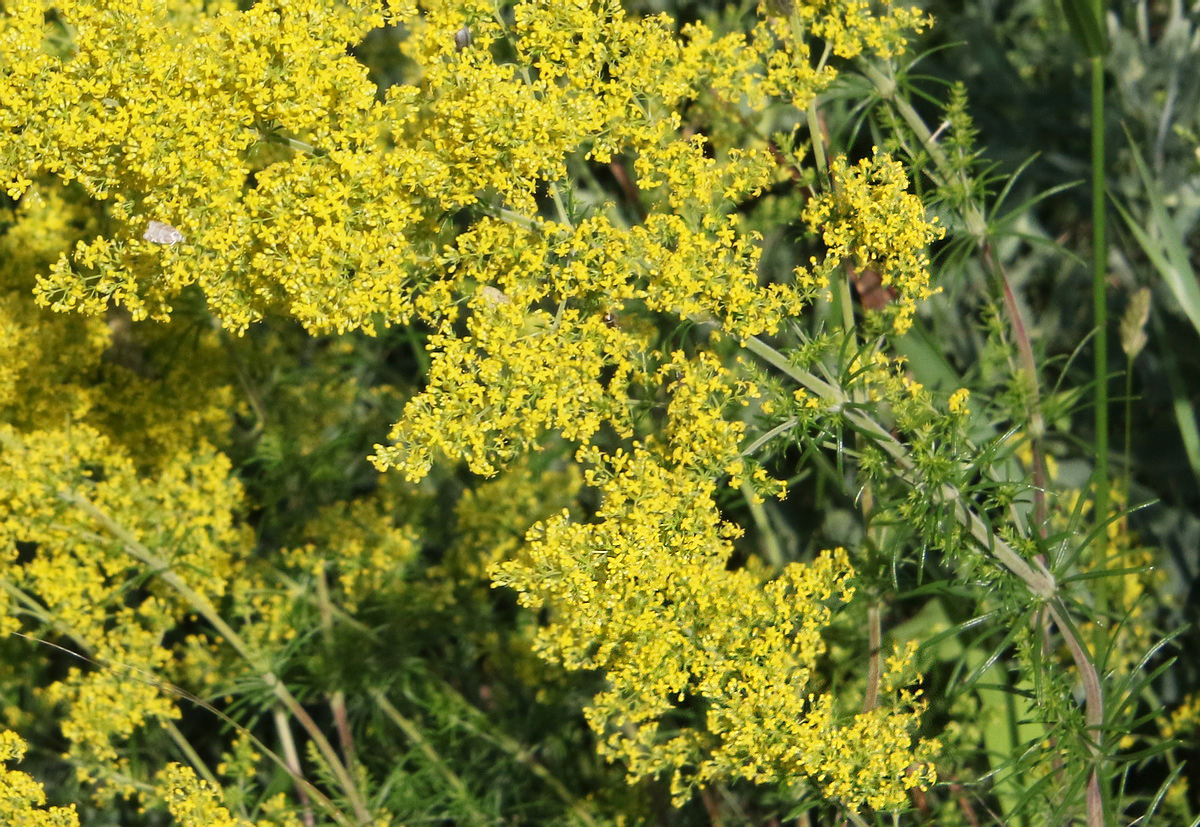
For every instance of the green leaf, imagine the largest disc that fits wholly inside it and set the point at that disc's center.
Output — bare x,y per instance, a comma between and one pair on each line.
1086,20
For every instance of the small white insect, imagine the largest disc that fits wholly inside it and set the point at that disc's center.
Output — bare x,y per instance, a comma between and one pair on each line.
160,232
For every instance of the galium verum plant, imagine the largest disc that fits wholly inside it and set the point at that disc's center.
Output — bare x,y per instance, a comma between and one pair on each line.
630,335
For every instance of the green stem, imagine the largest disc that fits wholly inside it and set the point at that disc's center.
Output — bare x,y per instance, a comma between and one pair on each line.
1036,577
818,138
1100,315
1128,475
977,227
1037,422
874,654
846,305
783,427
337,698
976,224
772,550
477,723
1099,550
887,88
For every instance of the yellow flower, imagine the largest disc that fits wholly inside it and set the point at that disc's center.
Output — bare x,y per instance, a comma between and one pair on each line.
958,402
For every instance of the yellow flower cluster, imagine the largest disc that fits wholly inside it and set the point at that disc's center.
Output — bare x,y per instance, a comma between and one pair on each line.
959,402
38,360
71,496
166,113
644,594
358,546
94,418
293,188
524,369
852,29
491,519
701,435
193,802
490,524
162,147
70,368
871,221
22,798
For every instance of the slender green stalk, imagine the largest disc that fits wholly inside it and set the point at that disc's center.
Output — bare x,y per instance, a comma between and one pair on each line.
886,86
772,550
1100,316
845,304
1127,476
337,699
818,138
478,724
1037,422
1099,548
976,226
874,654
